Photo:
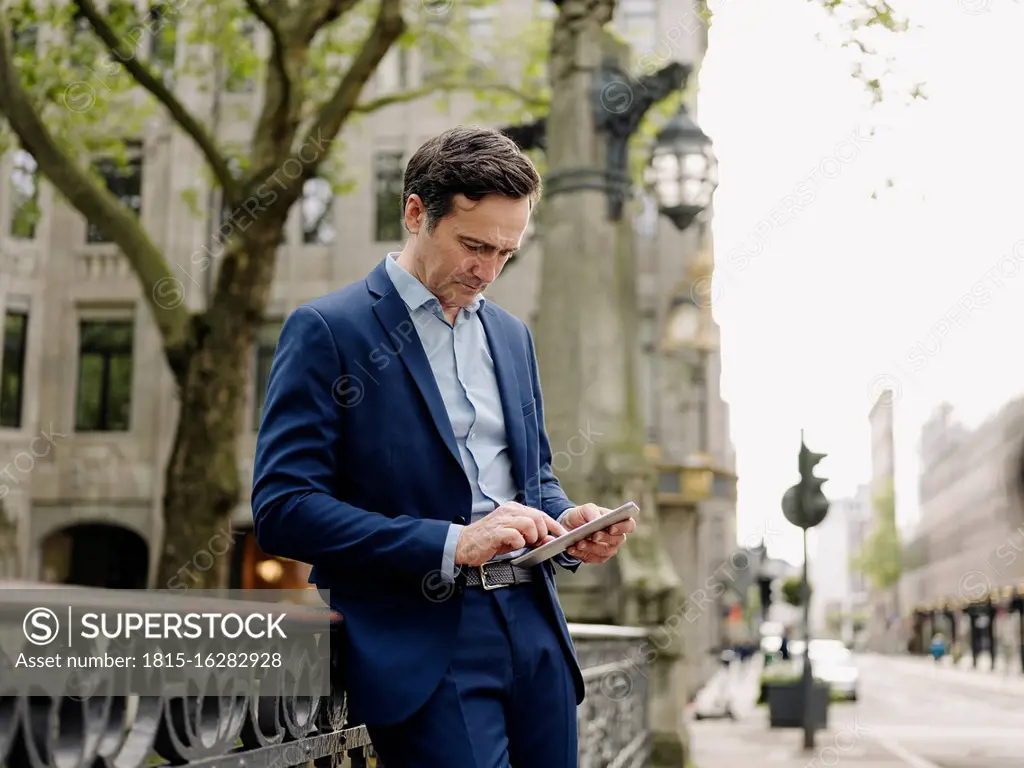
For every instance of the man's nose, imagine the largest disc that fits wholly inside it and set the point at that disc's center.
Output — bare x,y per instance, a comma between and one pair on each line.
486,270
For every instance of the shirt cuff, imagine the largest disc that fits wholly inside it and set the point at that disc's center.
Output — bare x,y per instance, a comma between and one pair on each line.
564,558
448,560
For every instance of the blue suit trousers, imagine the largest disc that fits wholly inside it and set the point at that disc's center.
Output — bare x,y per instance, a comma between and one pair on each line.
507,699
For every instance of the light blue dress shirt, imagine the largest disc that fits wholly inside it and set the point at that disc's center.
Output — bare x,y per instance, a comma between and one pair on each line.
460,359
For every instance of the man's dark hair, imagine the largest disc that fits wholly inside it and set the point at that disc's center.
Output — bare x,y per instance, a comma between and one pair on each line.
471,161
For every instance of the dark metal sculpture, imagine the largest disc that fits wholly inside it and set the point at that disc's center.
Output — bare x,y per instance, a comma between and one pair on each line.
104,730
529,136
806,506
619,102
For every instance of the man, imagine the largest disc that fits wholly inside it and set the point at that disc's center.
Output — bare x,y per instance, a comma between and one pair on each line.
403,454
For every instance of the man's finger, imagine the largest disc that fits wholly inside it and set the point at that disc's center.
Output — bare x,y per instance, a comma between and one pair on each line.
526,526
589,556
545,523
553,526
603,538
623,527
591,512
594,548
511,538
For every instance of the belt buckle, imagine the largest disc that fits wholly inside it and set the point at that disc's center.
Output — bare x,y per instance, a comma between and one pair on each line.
483,580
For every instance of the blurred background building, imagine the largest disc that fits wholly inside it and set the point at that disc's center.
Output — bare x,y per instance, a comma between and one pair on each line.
88,407
969,547
839,594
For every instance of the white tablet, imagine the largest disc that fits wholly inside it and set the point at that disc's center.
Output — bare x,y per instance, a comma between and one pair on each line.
562,543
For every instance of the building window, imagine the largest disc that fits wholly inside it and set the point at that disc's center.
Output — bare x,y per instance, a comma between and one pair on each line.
24,196
403,67
545,10
163,41
122,16
481,39
229,219
317,212
638,22
239,78
389,173
252,568
12,376
124,181
85,50
24,29
266,344
435,47
104,376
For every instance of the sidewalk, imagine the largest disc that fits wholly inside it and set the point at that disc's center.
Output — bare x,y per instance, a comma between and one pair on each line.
967,663
982,677
736,688
750,742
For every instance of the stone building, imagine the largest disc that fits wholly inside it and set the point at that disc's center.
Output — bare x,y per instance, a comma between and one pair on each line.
970,539
87,405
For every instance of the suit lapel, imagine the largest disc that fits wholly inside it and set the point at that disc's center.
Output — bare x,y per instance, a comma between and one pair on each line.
508,387
392,313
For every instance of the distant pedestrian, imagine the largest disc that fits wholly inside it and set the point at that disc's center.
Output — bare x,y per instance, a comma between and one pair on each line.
938,647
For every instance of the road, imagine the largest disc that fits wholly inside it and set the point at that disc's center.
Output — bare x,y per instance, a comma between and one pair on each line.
909,715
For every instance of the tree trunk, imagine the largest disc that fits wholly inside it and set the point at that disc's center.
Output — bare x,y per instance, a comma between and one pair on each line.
202,484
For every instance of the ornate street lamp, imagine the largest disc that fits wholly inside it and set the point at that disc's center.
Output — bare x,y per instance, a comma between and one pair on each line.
683,172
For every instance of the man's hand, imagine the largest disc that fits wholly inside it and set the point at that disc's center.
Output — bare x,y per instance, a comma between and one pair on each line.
601,546
508,528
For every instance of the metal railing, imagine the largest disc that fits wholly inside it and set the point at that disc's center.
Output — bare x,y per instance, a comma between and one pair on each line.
119,731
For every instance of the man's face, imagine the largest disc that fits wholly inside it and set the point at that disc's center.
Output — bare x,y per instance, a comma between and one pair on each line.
467,250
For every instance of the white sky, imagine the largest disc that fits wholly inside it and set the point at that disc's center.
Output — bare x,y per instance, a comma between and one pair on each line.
834,296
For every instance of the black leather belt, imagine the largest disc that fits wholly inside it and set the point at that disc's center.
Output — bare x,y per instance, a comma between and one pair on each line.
497,575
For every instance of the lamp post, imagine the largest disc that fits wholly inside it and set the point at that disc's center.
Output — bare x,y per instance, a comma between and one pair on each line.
682,175
687,328
683,170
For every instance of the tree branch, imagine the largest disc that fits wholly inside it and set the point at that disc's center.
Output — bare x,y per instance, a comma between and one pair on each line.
160,289
387,28
403,97
323,13
145,77
279,121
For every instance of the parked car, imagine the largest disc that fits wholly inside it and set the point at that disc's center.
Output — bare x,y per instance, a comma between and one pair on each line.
832,662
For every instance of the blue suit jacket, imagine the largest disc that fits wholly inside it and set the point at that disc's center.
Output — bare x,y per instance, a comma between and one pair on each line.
357,473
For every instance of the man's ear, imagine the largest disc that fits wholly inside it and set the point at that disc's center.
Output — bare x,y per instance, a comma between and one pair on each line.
415,215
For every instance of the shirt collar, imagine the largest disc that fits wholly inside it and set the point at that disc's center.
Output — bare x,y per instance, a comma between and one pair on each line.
414,293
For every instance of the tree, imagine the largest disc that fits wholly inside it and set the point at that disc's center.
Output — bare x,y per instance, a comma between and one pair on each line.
89,93
880,557
792,591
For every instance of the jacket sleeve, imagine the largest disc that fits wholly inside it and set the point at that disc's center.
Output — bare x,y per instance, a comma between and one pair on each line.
553,500
297,512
